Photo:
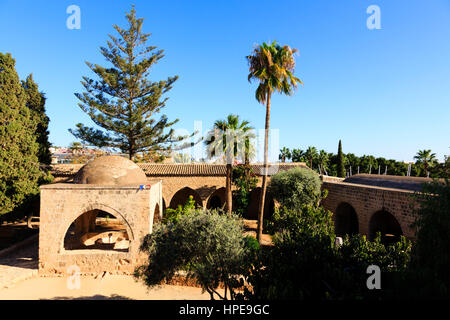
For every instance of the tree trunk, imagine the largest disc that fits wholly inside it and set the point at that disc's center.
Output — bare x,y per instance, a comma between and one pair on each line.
228,188
264,180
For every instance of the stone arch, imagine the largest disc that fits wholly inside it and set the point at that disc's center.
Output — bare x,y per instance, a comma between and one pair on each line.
217,199
345,220
269,204
384,222
64,228
181,196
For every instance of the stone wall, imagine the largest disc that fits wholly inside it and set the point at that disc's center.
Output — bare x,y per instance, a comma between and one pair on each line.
367,200
62,204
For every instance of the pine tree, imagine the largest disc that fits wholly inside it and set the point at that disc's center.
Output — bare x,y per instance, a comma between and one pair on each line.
19,165
36,103
340,162
124,101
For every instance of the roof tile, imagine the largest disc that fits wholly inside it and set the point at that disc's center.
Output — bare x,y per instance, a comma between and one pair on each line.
179,169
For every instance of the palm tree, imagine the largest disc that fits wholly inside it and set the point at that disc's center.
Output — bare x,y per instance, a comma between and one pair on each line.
426,159
311,155
230,138
273,67
323,160
298,155
285,154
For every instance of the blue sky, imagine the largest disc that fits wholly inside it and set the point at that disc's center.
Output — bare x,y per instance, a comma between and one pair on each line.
384,92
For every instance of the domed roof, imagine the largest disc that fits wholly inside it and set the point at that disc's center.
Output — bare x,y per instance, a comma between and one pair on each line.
111,171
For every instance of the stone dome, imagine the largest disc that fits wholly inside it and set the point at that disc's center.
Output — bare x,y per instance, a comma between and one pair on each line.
111,171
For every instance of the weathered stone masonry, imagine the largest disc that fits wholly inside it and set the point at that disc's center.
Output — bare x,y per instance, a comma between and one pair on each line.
61,204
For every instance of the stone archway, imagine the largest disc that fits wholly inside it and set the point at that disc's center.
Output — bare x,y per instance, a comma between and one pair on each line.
217,199
345,220
384,222
85,222
156,215
97,229
182,195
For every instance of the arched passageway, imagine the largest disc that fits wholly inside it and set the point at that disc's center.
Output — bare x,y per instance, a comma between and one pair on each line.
217,199
156,215
97,229
345,220
269,205
385,223
182,195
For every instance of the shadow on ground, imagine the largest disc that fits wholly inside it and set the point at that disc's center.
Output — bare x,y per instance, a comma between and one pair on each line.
26,257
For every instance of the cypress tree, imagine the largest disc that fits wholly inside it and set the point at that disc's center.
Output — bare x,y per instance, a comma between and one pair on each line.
19,165
36,103
340,162
124,101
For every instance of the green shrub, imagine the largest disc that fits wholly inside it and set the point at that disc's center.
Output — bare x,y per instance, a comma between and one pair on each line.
172,215
299,265
357,253
305,262
245,181
208,245
296,187
431,255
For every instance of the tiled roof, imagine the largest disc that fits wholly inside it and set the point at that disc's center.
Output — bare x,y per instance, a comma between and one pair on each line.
178,169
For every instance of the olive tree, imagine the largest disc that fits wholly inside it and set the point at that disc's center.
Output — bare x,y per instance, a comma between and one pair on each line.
208,245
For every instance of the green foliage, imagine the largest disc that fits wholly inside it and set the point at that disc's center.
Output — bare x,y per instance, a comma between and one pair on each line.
173,215
230,138
299,265
273,67
296,187
358,252
124,102
441,170
19,165
208,245
245,181
311,156
36,104
298,155
425,160
285,154
370,164
431,255
305,263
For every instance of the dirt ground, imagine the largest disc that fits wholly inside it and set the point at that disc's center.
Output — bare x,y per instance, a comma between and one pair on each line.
114,287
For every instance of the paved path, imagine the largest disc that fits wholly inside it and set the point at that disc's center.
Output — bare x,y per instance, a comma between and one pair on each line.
19,265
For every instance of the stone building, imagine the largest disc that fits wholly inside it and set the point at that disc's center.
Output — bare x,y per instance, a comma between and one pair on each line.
95,216
73,210
97,221
371,203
